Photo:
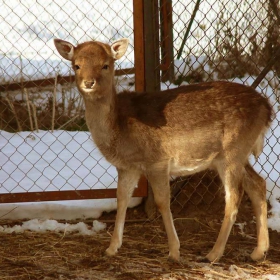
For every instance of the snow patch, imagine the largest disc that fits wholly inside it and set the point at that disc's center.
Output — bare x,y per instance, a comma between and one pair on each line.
52,225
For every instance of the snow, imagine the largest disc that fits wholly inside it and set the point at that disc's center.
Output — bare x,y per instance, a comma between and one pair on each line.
28,29
52,225
62,158
49,161
274,219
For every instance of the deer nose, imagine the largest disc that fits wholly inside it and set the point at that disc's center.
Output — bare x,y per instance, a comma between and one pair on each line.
89,84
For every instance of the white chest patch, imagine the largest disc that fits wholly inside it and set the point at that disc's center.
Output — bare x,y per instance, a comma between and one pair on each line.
190,166
176,169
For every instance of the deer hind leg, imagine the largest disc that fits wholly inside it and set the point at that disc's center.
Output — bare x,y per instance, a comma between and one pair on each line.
231,176
255,186
127,180
159,181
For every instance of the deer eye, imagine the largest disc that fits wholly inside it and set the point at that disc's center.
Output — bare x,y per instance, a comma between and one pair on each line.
105,67
76,67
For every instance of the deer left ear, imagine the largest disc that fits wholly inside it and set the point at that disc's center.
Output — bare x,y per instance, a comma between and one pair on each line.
119,48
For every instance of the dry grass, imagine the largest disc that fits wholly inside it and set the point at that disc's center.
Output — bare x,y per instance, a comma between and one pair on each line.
144,252
45,108
143,255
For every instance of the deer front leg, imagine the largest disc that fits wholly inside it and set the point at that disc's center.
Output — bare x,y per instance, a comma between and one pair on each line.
127,180
159,181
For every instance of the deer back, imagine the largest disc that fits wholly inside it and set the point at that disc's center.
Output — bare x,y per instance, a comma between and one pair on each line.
192,125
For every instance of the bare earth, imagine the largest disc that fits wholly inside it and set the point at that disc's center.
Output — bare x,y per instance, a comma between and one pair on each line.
197,206
143,255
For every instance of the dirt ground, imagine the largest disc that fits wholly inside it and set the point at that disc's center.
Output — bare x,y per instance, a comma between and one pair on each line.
143,255
197,207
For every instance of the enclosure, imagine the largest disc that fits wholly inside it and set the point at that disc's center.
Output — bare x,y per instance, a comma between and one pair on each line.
47,155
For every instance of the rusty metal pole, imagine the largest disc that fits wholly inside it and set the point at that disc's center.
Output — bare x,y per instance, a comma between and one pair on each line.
139,45
151,45
139,65
166,32
146,54
147,65
146,45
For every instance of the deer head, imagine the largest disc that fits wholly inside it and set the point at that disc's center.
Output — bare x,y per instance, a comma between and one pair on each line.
93,63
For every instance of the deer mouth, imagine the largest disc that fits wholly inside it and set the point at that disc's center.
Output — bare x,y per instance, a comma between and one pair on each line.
87,90
87,87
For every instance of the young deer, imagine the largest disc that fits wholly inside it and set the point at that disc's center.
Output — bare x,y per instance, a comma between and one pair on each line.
180,131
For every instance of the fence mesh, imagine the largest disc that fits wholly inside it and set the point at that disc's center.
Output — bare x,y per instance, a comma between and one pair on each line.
227,40
212,40
51,149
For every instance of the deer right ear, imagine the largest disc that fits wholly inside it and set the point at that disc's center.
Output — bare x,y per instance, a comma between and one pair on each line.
65,49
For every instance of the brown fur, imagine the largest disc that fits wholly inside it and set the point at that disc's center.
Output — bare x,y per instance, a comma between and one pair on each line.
180,131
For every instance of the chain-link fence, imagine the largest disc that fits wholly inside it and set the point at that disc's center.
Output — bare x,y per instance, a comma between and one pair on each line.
45,145
228,40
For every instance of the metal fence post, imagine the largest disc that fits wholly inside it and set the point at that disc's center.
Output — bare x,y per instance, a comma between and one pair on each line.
151,45
140,64
166,37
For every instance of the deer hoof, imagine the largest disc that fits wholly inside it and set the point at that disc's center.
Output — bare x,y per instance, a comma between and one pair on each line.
174,258
213,257
110,252
258,255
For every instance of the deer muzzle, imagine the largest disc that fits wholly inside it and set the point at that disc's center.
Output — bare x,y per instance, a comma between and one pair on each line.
89,84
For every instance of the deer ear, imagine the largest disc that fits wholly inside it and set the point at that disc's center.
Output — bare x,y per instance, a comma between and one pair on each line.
119,48
65,49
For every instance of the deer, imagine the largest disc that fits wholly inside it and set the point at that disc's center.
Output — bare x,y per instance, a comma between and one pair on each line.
210,125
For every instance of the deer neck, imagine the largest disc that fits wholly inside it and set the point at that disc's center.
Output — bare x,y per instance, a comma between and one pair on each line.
101,119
